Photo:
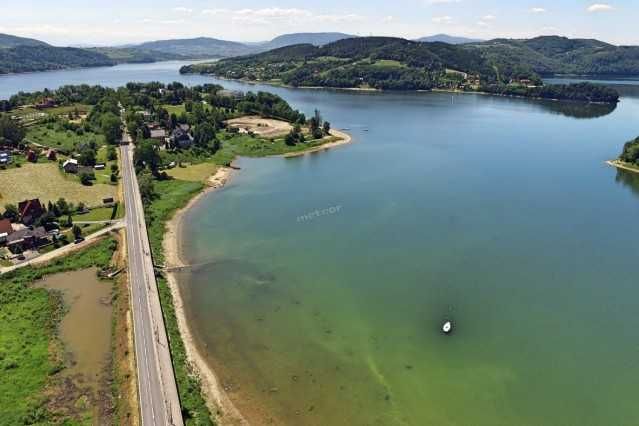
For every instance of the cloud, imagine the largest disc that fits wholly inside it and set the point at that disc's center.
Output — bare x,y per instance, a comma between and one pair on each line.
599,7
442,1
488,18
538,10
442,19
183,10
388,19
271,15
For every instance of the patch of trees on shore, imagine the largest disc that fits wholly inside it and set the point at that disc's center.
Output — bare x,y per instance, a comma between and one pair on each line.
581,92
630,153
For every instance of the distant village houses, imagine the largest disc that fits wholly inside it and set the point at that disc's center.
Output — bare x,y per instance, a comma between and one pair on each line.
45,103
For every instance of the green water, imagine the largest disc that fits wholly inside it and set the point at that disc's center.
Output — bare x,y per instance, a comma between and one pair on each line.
498,213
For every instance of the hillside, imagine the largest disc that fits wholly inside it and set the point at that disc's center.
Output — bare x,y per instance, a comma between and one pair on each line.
197,48
135,55
445,38
551,55
44,58
8,41
398,64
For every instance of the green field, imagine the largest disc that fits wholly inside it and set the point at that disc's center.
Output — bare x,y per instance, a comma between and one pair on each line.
30,353
65,140
47,182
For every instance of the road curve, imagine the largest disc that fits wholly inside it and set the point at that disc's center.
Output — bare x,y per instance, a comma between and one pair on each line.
157,389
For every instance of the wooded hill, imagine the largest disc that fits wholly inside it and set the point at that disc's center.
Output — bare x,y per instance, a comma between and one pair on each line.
503,67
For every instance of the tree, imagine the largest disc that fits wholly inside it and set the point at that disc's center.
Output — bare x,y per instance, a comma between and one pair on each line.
147,187
147,154
77,231
10,133
10,212
112,154
87,156
203,134
86,178
114,178
110,125
326,127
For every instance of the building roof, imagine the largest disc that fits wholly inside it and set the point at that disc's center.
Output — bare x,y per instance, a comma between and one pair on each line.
27,206
21,234
180,134
6,227
158,133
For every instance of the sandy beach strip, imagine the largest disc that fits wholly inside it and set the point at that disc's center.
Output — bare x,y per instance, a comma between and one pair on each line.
621,165
216,398
344,138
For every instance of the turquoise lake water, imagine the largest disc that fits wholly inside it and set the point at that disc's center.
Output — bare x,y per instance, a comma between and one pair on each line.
498,213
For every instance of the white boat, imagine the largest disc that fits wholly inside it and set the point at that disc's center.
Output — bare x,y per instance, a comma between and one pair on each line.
447,327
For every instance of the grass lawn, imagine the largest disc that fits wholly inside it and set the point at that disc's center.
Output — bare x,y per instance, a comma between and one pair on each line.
30,351
174,109
46,182
194,173
99,214
64,140
247,146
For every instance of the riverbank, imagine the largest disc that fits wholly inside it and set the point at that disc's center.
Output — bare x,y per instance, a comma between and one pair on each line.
216,398
277,83
623,166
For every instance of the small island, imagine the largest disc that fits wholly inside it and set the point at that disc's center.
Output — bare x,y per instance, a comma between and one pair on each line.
385,63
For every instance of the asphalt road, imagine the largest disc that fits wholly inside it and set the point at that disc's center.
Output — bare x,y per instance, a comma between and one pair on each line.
159,400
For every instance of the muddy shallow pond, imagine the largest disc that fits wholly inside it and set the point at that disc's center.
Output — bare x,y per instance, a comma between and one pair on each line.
85,329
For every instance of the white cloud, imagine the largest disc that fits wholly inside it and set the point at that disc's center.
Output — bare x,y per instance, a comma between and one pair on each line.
183,10
538,10
442,19
599,7
388,19
267,16
488,18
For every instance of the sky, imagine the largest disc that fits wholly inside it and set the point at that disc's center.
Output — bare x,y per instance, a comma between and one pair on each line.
114,22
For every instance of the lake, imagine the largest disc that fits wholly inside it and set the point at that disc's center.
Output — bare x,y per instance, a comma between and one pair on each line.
497,213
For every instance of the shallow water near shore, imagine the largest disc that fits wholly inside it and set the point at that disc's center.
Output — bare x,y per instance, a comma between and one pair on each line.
499,213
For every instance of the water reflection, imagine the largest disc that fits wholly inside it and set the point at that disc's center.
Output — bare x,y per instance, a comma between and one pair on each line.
629,179
578,110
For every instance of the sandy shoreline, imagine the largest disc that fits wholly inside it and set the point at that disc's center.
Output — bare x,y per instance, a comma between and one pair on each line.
217,400
345,138
620,165
216,397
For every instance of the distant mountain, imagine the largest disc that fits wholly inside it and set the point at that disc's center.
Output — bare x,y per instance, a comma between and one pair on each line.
44,58
197,48
8,41
445,38
316,39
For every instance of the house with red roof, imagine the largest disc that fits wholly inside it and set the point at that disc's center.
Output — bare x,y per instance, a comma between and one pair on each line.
30,211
